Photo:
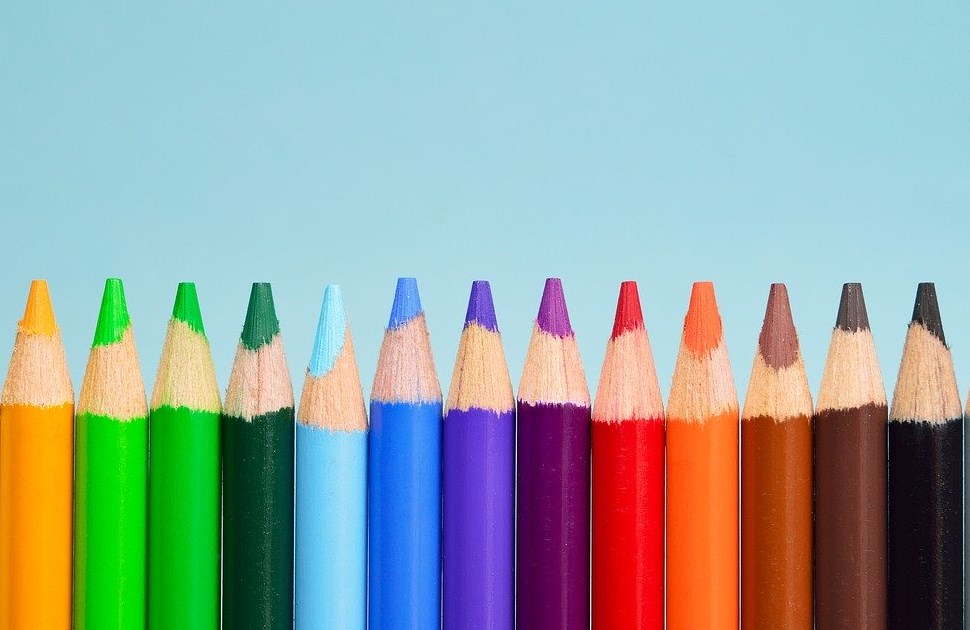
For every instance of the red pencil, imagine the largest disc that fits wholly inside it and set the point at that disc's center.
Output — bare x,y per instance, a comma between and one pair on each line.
628,479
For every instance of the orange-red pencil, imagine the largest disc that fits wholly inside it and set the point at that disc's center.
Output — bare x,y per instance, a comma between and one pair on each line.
702,476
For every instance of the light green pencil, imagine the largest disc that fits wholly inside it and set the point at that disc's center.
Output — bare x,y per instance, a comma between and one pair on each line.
111,485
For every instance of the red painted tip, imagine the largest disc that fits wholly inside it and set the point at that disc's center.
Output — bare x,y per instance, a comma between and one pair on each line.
629,315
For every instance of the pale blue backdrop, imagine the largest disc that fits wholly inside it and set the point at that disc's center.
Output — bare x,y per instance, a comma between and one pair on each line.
744,142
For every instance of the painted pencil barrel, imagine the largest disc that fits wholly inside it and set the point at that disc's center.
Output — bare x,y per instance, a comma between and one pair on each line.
331,529
184,519
628,524
925,529
850,518
36,503
258,521
111,523
404,482
702,522
479,520
776,523
553,516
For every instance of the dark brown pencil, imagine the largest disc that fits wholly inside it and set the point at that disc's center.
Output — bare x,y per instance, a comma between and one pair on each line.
850,477
776,479
926,479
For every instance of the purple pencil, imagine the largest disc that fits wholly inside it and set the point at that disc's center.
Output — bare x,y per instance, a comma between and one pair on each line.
553,467
478,476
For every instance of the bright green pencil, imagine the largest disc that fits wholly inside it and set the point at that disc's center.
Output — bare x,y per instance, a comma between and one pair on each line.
183,552
111,485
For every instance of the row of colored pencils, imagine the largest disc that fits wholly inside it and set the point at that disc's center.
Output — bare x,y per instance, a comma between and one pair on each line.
484,511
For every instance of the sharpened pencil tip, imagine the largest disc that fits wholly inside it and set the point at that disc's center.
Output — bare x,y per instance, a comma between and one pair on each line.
113,319
852,315
629,315
261,324
481,309
926,310
331,332
778,341
186,308
38,316
702,325
553,317
407,303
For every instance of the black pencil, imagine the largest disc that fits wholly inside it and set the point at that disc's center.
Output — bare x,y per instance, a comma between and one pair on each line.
925,479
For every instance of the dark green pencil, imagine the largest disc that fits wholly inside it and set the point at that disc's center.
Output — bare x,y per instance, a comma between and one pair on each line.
257,443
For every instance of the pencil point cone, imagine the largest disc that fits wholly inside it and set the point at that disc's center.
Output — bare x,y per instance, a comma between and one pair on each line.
186,309
407,303
261,323
629,315
702,325
113,319
38,316
481,309
553,316
331,330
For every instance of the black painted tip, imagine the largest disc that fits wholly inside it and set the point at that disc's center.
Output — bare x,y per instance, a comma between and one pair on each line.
852,309
926,311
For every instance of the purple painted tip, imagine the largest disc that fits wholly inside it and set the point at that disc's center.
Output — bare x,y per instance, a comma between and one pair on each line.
481,310
553,317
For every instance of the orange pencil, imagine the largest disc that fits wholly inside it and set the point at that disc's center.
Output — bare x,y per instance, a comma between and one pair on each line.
36,474
702,475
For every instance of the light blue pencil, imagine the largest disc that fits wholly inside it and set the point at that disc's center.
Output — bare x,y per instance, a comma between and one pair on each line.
331,481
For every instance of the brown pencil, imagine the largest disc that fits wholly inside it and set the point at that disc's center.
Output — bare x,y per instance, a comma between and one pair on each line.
850,477
776,479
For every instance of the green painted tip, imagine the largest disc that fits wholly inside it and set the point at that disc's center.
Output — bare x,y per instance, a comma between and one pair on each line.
113,319
261,323
186,309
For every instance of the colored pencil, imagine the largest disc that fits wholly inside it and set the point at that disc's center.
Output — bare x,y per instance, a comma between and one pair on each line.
36,474
404,473
628,478
850,476
257,476
925,528
185,477
331,481
478,476
552,591
111,470
776,479
702,475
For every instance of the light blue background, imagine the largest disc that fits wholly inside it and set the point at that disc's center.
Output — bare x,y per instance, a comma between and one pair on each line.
750,142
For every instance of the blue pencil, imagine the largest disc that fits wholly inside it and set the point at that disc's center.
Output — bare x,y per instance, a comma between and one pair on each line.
331,481
404,468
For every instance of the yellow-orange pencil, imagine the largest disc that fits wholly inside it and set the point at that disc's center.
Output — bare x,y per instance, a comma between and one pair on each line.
36,474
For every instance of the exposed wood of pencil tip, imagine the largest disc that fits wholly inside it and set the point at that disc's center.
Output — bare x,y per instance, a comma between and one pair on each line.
778,387
553,371
852,377
37,374
926,388
186,375
405,367
113,384
628,387
481,376
334,401
702,385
